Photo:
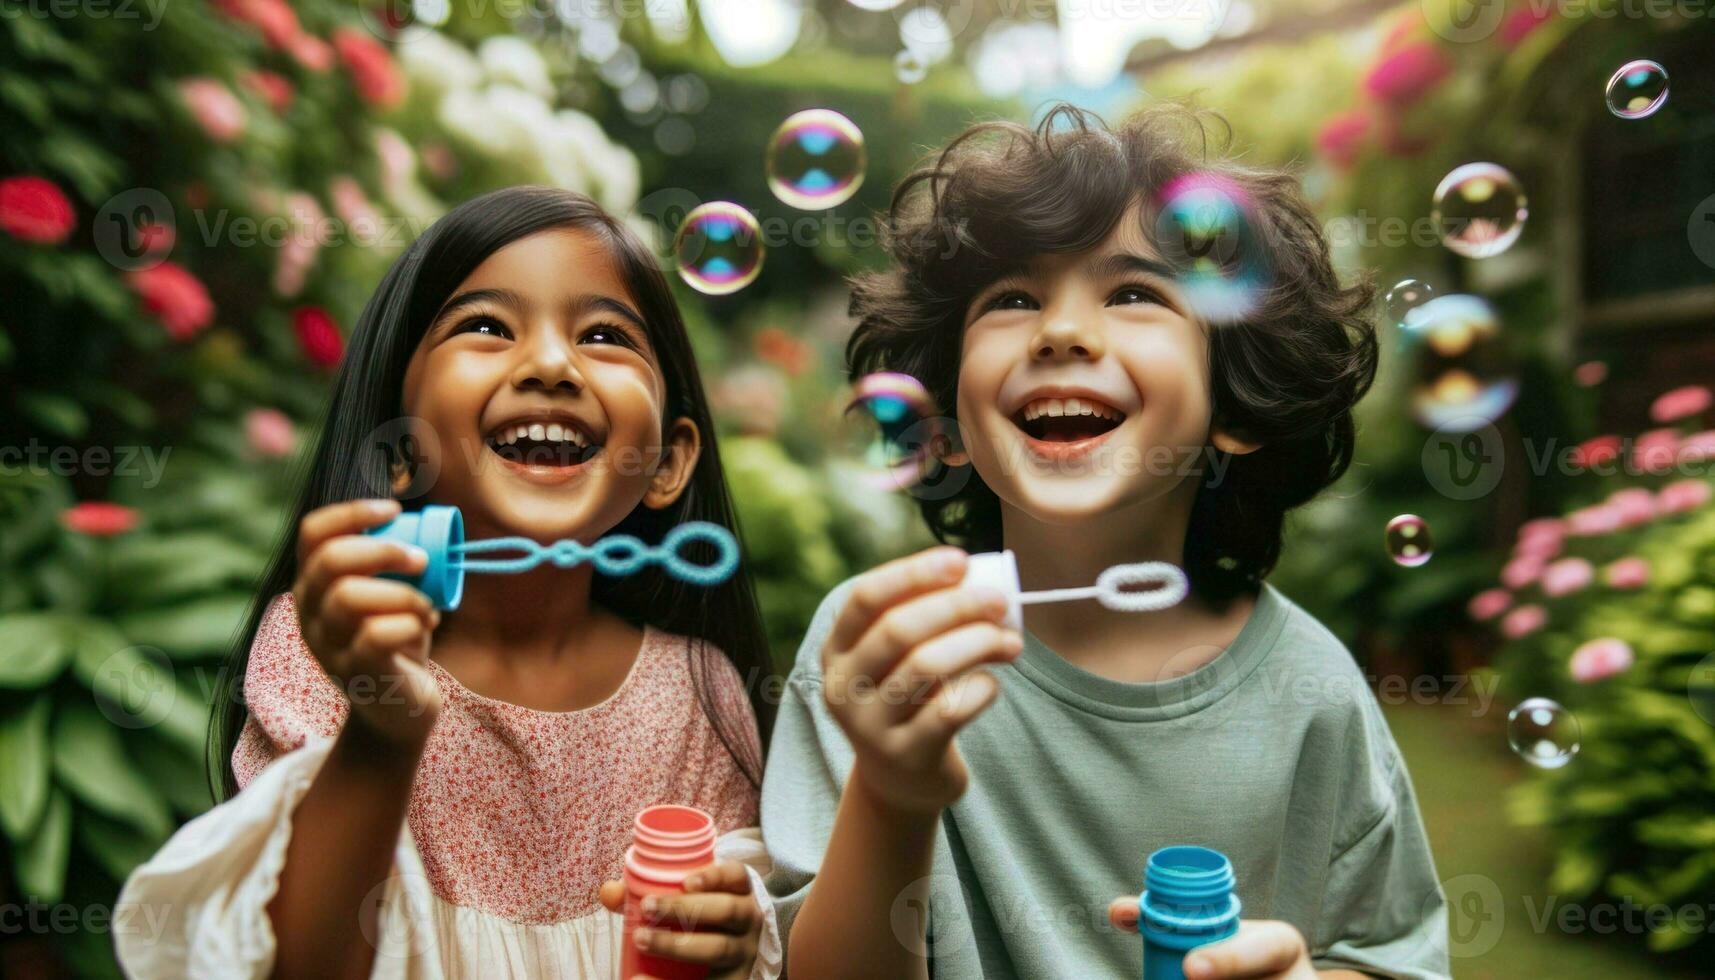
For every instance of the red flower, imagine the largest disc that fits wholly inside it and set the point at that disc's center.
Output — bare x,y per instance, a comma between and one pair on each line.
1342,137
372,70
1405,76
779,347
1519,24
1596,452
175,297
274,18
273,88
33,209
98,519
318,335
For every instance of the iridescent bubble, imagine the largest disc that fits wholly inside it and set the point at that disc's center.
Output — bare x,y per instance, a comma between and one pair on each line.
1637,90
889,427
909,67
1408,540
1463,378
1480,210
1205,230
1543,733
718,248
815,160
1403,300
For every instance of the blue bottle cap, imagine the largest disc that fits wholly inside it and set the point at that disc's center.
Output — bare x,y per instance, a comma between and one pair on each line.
436,529
1188,898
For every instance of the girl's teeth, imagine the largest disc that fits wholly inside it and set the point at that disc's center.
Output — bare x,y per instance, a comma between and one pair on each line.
554,432
538,432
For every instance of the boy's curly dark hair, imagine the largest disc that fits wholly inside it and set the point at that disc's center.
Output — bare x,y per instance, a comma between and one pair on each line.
1287,376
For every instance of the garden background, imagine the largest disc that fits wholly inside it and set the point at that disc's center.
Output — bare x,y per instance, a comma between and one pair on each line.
196,197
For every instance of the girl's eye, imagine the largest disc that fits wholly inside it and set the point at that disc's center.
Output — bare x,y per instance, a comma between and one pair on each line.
484,325
1012,301
605,335
1134,294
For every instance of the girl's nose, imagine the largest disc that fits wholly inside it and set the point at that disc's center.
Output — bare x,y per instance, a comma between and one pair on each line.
548,363
1065,337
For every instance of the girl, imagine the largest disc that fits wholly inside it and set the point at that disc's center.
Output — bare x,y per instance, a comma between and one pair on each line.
409,815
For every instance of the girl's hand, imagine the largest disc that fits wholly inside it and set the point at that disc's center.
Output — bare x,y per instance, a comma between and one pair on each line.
720,917
899,674
1261,950
370,634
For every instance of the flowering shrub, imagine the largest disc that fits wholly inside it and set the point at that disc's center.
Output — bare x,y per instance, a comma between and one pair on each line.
1610,610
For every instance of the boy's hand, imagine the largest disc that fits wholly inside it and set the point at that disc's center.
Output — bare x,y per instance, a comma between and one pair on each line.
1261,950
721,917
899,674
370,634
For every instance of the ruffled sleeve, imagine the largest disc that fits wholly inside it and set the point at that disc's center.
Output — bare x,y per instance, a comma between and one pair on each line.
289,697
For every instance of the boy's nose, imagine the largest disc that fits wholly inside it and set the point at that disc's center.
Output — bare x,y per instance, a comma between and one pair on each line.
1065,337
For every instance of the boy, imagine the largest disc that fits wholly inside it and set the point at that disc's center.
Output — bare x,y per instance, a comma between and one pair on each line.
1029,291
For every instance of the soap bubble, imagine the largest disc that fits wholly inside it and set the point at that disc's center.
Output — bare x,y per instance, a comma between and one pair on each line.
1463,378
889,426
1543,733
815,160
718,248
1205,229
1408,540
909,67
1403,300
1637,90
1480,210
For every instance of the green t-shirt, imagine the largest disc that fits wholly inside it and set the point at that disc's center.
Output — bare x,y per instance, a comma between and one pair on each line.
1274,753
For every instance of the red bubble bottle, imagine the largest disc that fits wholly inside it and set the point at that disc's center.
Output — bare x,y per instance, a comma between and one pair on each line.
668,843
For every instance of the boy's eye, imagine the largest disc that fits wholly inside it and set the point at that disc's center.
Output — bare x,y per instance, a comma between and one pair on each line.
484,325
1012,301
1134,294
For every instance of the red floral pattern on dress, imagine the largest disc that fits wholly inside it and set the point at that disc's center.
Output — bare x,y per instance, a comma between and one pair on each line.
517,812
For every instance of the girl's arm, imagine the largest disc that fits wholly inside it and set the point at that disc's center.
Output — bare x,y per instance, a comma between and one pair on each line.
372,637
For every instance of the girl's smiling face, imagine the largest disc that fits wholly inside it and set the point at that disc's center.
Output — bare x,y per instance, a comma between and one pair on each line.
544,396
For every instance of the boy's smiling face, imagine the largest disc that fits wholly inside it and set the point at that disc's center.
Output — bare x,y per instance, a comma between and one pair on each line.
1084,382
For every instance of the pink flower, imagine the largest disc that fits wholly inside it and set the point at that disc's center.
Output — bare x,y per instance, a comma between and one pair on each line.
1542,527
353,206
1408,74
1520,23
1590,373
1601,658
34,209
1655,450
1594,521
1524,621
1396,141
216,109
1683,495
1521,571
1635,505
1627,573
277,21
1489,603
303,242
98,519
270,432
1596,452
1566,576
1681,403
372,70
318,336
313,53
1341,138
175,297
1698,447
273,89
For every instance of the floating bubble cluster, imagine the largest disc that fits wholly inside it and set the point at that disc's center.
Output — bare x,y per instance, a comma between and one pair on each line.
889,426
1408,540
1637,90
815,160
1543,733
1463,376
1206,230
1403,300
718,248
1479,210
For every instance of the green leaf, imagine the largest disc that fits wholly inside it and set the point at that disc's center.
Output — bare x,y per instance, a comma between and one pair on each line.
199,628
41,860
34,649
90,762
118,847
25,762
177,772
163,568
135,687
57,413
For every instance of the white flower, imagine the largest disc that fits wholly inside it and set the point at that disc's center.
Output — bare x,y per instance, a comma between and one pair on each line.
438,63
515,61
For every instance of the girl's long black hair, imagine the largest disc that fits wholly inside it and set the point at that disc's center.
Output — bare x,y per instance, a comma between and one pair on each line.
367,397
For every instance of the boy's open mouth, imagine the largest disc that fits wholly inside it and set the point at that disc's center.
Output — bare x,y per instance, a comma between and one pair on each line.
551,444
1066,420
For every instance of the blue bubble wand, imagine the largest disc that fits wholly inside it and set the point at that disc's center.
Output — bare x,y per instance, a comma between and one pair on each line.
439,531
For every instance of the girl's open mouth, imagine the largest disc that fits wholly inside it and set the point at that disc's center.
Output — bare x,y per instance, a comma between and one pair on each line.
543,447
1065,427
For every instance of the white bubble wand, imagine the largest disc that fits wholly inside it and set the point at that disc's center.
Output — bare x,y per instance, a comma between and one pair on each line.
1148,586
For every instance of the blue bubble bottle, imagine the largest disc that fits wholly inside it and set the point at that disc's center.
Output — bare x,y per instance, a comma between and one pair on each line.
1187,902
